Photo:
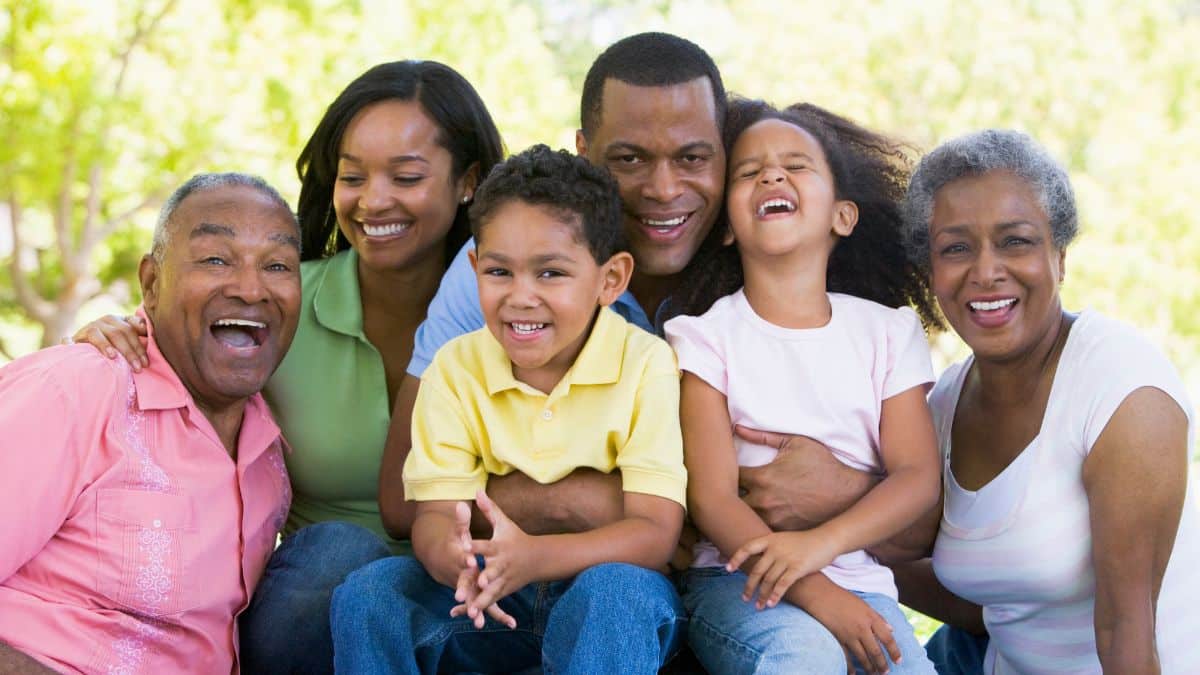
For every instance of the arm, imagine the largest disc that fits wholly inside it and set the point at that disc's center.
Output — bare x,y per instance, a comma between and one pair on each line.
1136,480
440,539
584,500
909,451
513,559
397,513
729,522
920,589
13,662
806,486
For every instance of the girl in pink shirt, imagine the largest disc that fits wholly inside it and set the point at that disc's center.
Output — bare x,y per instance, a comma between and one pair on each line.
816,339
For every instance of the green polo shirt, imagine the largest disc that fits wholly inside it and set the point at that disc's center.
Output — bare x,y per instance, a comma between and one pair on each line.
330,399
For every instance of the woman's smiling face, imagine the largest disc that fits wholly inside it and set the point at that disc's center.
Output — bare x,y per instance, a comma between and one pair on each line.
395,196
995,268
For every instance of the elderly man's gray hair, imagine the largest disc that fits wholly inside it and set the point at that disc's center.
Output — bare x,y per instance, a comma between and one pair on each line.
199,183
979,153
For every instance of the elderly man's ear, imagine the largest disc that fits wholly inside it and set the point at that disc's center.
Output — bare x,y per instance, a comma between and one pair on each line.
148,277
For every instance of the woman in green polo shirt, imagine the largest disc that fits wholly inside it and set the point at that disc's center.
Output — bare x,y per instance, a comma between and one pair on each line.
386,179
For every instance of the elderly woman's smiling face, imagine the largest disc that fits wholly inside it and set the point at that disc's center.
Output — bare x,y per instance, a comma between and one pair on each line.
995,268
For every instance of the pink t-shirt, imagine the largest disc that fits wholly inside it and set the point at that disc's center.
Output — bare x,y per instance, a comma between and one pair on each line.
827,383
131,539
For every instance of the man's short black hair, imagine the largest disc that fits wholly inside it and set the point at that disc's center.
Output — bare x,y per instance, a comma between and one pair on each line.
648,60
579,193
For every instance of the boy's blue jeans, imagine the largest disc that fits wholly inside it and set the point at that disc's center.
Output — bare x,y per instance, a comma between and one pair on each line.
392,617
729,635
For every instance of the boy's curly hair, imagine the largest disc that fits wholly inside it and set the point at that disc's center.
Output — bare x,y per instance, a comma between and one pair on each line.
868,169
569,186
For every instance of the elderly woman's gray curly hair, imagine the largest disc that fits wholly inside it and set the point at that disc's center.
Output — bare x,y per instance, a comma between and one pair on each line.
978,153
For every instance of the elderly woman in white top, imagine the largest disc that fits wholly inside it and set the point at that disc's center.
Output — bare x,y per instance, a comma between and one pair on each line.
1068,527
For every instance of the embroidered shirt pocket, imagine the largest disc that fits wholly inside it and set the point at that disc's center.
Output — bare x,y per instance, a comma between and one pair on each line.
142,551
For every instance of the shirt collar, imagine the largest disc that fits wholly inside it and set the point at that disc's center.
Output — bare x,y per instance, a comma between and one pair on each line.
599,362
158,387
337,302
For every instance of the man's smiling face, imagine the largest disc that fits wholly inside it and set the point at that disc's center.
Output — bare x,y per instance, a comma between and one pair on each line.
663,145
223,296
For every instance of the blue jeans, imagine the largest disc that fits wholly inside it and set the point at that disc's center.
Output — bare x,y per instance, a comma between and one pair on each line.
954,651
729,635
392,617
286,627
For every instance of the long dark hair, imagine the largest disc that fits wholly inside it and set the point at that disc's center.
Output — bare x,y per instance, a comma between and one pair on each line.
467,132
868,169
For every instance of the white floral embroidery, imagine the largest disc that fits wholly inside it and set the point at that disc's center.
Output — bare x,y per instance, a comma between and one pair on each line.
129,652
152,580
150,475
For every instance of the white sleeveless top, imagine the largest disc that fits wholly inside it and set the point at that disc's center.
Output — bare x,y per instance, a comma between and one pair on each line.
1021,545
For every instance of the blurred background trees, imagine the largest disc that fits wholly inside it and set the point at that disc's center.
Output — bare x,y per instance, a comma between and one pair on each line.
105,105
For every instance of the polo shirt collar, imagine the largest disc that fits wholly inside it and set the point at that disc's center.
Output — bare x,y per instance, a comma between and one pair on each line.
599,362
337,301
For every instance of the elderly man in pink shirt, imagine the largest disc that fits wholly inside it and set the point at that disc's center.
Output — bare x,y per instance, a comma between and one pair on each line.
137,510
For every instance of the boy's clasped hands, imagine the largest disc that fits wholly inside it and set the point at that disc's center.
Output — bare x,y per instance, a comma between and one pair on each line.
508,559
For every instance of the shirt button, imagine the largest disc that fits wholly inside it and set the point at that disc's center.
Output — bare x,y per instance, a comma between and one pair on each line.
546,414
157,522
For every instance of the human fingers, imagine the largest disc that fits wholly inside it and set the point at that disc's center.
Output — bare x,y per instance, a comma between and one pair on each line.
754,578
770,579
462,524
103,334
465,585
872,657
490,509
761,437
885,635
488,596
752,547
500,615
783,583
849,661
127,334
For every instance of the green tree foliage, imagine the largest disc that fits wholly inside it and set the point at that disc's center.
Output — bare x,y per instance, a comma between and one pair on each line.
104,105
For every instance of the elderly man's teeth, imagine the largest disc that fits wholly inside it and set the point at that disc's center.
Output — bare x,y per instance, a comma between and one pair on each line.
672,222
776,206
526,328
992,305
240,322
385,230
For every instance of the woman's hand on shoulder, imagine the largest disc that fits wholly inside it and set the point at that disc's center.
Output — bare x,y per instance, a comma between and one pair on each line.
112,334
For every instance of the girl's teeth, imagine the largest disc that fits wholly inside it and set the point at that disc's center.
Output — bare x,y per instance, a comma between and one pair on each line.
991,305
527,327
385,230
772,203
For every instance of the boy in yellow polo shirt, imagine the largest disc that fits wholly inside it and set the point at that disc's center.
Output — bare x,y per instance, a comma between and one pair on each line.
556,381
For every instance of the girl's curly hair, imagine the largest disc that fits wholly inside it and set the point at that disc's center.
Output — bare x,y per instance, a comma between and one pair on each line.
868,169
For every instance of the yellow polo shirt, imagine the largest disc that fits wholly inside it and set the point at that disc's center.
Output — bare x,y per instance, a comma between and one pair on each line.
616,408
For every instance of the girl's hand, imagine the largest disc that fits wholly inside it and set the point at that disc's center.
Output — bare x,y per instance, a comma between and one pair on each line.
784,558
114,334
860,629
509,559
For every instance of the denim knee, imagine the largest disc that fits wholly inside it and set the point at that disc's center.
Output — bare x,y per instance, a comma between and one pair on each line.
286,629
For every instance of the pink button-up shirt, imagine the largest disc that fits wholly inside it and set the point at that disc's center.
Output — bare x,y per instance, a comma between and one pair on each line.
129,538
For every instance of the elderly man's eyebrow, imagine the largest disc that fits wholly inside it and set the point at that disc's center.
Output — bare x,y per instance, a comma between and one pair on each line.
212,229
286,240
